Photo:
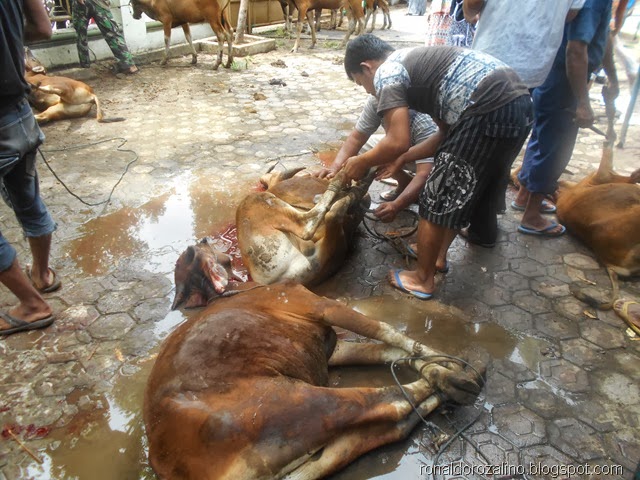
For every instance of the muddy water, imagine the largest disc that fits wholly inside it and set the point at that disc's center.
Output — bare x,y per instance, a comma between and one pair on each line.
155,233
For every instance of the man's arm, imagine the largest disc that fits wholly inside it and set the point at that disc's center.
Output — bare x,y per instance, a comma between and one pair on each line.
37,25
578,75
395,143
387,211
472,9
619,16
352,145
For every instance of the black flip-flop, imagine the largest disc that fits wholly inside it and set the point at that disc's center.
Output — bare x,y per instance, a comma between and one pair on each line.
55,285
22,326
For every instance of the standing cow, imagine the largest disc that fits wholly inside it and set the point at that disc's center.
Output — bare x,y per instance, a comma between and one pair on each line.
173,13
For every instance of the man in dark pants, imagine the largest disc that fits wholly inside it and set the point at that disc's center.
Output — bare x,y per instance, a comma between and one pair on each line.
19,139
561,106
100,11
483,112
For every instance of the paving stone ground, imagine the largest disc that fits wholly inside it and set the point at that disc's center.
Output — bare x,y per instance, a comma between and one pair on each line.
563,384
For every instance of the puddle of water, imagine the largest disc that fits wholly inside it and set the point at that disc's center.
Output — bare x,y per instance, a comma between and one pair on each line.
105,440
158,231
326,157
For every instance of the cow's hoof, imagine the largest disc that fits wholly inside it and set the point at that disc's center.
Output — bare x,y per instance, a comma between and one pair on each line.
163,62
194,60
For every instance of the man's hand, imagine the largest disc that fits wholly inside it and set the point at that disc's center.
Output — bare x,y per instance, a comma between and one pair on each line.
387,212
328,173
354,169
611,90
387,171
584,115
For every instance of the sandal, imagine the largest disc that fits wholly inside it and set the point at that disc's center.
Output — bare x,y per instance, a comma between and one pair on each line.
55,284
18,325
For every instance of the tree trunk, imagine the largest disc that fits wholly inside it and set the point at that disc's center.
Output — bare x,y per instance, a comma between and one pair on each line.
242,21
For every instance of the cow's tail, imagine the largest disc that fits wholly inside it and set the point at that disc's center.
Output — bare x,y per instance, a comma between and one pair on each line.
99,115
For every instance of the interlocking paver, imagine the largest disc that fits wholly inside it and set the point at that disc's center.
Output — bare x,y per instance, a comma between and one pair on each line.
562,386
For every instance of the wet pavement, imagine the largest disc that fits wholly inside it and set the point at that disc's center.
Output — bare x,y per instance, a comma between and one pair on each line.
563,386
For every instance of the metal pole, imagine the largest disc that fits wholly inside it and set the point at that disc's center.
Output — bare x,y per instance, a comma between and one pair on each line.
632,103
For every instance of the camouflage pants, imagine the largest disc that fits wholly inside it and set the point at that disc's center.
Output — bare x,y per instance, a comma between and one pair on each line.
109,28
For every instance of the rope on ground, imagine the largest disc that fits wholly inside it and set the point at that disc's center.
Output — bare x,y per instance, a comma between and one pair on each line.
86,145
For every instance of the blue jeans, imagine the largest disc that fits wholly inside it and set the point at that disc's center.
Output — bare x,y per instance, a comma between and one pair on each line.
20,137
553,135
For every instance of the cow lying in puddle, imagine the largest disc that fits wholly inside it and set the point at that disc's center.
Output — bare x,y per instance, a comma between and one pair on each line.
299,229
240,391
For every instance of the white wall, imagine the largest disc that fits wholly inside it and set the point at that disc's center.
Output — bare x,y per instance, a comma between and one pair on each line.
60,53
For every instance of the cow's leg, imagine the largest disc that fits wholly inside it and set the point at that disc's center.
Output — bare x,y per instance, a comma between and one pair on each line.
302,14
312,26
317,416
367,16
355,442
187,35
352,28
354,353
167,40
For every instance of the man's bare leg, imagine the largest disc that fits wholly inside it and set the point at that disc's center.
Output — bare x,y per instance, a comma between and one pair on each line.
41,275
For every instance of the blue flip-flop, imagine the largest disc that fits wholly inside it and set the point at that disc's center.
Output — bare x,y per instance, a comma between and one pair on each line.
545,232
413,254
546,207
415,293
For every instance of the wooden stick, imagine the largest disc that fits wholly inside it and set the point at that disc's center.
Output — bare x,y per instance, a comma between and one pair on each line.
24,447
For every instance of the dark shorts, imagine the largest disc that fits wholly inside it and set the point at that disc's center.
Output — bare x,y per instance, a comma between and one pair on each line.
472,164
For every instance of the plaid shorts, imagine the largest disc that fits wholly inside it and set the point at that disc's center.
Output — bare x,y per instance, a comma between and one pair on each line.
472,162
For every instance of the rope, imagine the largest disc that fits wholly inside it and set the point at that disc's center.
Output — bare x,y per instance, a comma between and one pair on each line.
430,359
78,147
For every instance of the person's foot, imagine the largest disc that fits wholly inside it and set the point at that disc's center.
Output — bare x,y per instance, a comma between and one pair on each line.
540,224
409,282
471,237
46,283
20,319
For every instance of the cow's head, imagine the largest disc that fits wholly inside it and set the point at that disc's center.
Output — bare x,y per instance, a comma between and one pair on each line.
202,273
136,6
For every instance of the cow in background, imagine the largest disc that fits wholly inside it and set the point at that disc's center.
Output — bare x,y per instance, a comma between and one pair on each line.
603,211
58,98
173,13
354,10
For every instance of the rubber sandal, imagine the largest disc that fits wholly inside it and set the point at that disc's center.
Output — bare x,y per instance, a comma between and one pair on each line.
55,285
546,207
22,326
415,293
545,232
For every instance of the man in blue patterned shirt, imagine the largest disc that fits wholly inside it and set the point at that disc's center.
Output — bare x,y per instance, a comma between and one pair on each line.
483,112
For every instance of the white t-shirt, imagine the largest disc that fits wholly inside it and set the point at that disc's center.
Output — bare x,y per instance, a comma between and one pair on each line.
524,34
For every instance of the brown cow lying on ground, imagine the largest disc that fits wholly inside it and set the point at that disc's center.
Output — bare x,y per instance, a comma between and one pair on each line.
173,13
240,390
603,211
57,98
299,229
